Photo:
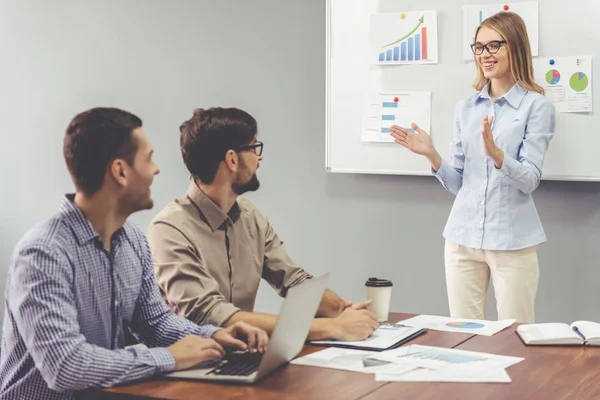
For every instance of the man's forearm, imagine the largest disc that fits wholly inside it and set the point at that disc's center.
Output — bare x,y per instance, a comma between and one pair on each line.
331,305
320,329
263,321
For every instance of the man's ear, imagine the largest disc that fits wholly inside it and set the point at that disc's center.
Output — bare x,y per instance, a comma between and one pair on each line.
232,160
118,172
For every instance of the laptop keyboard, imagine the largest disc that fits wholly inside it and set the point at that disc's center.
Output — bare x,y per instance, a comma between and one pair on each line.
238,364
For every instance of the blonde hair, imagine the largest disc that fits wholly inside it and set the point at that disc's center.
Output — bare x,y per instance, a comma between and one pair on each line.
512,29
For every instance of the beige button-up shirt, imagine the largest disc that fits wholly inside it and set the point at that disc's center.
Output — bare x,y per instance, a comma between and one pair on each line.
209,264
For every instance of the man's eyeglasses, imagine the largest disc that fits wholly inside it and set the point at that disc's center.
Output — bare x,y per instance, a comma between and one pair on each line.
257,147
492,47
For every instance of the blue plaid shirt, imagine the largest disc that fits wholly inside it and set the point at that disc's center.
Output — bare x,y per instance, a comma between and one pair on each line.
68,304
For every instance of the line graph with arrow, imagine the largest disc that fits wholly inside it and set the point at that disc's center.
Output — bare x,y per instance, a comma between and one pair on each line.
407,35
404,38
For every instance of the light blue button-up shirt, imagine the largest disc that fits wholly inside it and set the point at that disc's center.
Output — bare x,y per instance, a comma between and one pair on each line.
493,209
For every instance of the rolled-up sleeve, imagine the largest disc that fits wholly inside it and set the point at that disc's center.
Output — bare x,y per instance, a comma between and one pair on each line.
183,278
279,269
525,172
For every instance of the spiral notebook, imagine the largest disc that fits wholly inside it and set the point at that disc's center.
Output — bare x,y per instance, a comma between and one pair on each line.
384,338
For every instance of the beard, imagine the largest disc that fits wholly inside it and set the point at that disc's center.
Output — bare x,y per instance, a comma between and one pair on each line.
250,185
142,202
129,205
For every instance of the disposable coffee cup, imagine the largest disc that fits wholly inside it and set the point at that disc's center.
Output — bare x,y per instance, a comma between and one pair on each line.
379,291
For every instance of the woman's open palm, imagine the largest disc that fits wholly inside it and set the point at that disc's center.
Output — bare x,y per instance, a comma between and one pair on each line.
415,139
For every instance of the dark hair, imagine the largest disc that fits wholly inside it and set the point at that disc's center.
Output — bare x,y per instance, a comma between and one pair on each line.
209,134
95,138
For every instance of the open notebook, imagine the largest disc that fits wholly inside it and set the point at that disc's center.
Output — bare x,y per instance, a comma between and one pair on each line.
583,333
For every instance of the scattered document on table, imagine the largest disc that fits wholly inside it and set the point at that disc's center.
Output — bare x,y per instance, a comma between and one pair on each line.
462,325
416,363
438,358
430,375
350,360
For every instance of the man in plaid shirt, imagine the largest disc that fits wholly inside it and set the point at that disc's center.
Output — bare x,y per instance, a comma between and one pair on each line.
79,280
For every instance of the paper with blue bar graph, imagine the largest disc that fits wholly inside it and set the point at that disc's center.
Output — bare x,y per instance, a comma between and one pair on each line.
382,110
404,38
473,16
436,364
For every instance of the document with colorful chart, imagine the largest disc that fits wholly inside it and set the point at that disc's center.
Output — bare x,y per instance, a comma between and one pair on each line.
462,325
474,15
404,38
382,110
350,360
567,82
436,364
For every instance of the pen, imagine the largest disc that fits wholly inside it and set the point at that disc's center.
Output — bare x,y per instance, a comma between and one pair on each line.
579,333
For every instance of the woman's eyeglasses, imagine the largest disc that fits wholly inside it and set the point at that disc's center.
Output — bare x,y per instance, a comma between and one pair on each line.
492,47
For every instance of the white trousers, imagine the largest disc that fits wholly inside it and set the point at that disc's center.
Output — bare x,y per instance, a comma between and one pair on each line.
514,273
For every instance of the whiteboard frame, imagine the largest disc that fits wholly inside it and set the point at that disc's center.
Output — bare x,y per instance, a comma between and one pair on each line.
328,166
327,85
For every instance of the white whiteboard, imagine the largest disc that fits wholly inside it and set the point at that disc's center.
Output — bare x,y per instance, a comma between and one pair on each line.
565,29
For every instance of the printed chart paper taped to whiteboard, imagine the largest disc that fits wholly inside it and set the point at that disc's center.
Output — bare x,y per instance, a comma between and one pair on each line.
473,16
567,82
404,38
382,110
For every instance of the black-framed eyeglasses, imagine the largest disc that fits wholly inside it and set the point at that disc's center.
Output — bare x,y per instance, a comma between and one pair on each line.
492,47
257,147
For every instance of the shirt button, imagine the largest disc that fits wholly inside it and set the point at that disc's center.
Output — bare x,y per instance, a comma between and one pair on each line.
116,303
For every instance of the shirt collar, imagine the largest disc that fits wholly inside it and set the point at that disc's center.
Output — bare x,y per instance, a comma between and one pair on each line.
213,214
514,96
84,230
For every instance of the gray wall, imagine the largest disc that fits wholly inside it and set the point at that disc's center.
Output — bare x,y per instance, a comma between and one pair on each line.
162,59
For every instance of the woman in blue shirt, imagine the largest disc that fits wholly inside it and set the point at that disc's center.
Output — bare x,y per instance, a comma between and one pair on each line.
501,135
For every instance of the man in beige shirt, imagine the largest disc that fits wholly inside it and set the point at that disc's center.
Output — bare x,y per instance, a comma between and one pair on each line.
211,248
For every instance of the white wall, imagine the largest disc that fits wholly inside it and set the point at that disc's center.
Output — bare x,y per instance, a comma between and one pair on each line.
161,59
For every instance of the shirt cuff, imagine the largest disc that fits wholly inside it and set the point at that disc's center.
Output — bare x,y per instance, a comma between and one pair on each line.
163,358
207,331
442,172
509,167
301,276
220,314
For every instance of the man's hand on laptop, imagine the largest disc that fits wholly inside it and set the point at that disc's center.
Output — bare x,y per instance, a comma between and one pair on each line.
355,323
233,337
193,350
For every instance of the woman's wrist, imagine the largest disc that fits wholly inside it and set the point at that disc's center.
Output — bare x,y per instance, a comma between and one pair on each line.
435,160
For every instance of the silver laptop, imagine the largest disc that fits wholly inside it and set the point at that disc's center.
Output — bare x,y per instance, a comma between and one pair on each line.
292,327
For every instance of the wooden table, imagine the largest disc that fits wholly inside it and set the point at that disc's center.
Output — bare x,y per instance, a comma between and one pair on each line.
291,382
546,373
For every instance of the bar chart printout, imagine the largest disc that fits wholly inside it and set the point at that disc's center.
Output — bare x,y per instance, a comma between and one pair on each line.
474,15
404,38
382,110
